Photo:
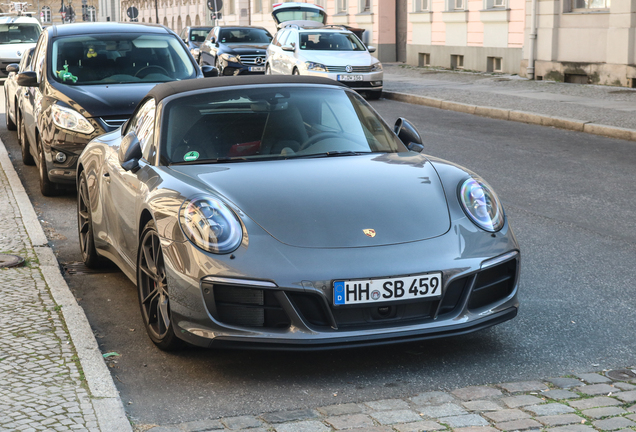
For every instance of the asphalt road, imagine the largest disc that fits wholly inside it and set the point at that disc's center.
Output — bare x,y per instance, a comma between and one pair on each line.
571,202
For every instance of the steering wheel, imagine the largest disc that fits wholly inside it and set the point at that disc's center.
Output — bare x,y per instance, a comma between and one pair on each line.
152,67
319,137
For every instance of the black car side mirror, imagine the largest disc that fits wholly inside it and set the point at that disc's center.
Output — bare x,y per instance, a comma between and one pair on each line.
13,67
408,134
212,40
209,71
27,79
129,152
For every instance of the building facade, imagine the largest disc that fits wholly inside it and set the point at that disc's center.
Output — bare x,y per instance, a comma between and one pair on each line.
583,41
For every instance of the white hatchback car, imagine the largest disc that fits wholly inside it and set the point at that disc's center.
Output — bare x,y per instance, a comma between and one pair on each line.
17,35
328,51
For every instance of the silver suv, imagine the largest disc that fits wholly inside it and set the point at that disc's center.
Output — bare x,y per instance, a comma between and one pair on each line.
328,51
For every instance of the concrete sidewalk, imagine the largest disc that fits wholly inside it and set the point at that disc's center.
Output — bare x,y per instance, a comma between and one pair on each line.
52,374
601,110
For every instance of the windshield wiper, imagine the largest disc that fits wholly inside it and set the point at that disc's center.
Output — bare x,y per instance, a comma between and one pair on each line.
213,161
332,154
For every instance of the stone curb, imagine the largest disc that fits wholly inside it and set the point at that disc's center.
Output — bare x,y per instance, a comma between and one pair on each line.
108,406
515,115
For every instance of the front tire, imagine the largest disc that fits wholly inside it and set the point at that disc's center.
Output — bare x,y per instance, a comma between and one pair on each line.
85,225
27,157
152,289
10,123
47,187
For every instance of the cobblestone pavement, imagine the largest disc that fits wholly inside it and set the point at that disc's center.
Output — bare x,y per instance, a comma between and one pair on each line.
41,385
606,105
583,403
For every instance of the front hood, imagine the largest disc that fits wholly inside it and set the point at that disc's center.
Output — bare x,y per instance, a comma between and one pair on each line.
103,100
14,51
247,49
328,202
339,58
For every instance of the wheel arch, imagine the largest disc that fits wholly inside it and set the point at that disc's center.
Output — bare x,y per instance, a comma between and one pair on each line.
144,218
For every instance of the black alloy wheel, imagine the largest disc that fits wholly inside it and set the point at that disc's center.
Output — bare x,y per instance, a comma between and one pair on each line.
47,187
27,157
152,287
85,225
7,118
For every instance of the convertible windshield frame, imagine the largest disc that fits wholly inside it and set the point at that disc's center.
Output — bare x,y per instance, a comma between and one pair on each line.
277,122
126,58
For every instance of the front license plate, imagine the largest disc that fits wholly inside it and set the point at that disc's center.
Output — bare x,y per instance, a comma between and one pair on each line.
257,68
350,77
348,292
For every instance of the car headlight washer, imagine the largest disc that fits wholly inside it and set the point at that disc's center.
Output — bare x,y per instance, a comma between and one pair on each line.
481,204
210,225
68,118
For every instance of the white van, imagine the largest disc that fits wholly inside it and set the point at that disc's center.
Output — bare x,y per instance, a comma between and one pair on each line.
17,35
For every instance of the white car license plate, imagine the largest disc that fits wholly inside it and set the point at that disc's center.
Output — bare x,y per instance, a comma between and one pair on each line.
257,68
348,292
350,77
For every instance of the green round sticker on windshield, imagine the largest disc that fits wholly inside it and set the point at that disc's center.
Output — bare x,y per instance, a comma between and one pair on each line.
191,156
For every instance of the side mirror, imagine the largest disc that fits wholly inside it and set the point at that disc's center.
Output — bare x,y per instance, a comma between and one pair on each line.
407,133
288,48
27,79
371,48
209,71
129,152
212,40
13,67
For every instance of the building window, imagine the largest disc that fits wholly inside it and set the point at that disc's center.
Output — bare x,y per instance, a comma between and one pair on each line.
229,8
591,4
424,59
45,15
493,64
420,5
91,14
365,6
457,61
493,4
458,4
258,6
341,6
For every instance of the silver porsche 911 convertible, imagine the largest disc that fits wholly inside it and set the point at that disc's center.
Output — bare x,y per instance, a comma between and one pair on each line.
283,213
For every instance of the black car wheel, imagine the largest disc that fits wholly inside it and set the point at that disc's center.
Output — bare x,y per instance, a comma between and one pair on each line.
85,225
10,123
152,287
374,95
47,187
27,157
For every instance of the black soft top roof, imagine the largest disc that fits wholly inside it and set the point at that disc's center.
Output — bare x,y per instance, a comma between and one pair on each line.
105,28
162,91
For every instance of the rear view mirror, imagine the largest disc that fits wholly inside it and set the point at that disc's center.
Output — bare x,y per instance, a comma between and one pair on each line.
13,67
129,152
28,79
371,48
288,48
209,71
408,134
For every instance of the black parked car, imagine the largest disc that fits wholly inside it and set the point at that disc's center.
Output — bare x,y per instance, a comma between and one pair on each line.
236,50
86,80
193,37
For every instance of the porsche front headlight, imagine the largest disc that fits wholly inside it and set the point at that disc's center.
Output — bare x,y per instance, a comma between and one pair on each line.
68,118
481,204
210,225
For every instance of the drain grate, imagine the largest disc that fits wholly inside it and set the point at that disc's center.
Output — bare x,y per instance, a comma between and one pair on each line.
7,260
621,374
75,268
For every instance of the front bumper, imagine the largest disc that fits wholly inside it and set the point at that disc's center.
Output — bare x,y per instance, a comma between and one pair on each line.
234,69
274,296
371,81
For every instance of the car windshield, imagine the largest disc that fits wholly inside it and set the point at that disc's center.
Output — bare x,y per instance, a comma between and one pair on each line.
119,59
19,33
199,34
330,41
273,122
244,36
300,15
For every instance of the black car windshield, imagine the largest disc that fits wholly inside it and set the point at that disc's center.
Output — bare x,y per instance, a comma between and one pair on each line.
272,122
19,33
119,59
199,34
244,36
330,41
